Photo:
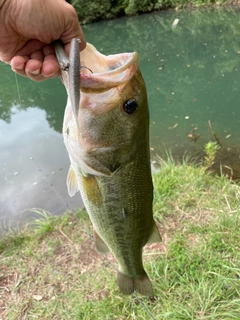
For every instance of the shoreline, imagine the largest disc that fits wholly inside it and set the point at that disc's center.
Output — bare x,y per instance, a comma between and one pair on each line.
52,271
100,12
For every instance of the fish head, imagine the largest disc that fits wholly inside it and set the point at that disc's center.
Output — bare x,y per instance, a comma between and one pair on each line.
113,108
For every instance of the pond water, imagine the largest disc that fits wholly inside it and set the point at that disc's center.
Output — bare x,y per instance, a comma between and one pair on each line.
192,73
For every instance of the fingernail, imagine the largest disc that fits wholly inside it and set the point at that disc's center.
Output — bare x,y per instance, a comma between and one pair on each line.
35,72
21,67
51,74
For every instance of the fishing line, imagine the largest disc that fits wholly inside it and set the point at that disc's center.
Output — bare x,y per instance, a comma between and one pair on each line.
86,68
18,91
143,305
113,266
67,207
92,239
55,190
39,169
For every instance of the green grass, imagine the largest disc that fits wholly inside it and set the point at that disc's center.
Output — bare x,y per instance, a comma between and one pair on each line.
52,271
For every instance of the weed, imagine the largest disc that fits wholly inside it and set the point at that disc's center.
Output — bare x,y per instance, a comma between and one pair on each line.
210,149
46,223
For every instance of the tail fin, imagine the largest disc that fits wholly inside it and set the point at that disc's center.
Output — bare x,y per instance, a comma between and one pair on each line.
142,284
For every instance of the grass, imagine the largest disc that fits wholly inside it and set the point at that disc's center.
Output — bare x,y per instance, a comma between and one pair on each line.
52,271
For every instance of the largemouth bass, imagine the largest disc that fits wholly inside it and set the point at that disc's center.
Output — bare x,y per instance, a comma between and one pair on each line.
107,139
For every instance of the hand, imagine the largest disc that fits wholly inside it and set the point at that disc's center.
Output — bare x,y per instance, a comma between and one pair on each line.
27,29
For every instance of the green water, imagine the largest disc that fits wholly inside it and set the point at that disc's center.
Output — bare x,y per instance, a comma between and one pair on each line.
192,73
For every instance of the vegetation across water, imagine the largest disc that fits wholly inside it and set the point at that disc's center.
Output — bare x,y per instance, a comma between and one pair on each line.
52,271
106,9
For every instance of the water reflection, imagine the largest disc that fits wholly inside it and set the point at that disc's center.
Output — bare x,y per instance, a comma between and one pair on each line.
22,93
33,167
191,71
192,76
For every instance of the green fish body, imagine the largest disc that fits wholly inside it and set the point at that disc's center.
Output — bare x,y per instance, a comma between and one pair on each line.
108,146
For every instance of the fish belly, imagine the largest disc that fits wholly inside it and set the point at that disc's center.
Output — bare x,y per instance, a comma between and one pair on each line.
120,208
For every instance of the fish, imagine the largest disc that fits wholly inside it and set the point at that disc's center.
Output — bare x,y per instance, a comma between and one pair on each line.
107,140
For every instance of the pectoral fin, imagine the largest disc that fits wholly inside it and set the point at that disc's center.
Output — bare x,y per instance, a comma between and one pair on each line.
92,191
72,183
99,243
155,235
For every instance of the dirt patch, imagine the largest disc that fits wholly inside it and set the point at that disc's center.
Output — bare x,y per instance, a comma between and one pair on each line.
227,162
7,281
88,255
60,263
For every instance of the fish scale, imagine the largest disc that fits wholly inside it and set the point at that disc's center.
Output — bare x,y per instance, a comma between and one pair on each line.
137,197
107,140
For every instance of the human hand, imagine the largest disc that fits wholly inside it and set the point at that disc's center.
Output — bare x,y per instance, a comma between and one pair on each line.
27,29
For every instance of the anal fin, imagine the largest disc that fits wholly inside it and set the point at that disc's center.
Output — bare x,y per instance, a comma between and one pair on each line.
155,235
99,243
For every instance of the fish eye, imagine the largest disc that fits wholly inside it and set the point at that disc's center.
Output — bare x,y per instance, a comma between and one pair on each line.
130,106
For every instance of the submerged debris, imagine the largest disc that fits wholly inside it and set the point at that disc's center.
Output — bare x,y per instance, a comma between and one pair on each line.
173,127
193,136
175,23
214,134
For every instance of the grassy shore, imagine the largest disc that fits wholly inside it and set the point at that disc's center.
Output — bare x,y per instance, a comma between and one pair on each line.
52,271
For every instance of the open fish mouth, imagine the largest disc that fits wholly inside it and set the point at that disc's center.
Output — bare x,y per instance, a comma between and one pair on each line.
100,72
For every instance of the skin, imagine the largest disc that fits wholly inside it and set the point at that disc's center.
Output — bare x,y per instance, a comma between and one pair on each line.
27,29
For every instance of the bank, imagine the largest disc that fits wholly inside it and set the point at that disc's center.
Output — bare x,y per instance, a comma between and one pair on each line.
107,9
51,270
